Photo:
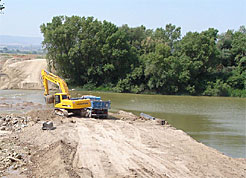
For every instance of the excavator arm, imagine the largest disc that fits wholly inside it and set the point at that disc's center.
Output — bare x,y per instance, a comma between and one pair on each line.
47,76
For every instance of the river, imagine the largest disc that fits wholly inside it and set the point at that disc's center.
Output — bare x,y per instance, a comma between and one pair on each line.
218,122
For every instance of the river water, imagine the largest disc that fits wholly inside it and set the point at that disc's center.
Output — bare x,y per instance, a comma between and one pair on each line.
219,122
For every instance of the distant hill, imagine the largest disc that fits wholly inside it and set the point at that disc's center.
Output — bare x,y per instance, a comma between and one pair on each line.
20,41
20,45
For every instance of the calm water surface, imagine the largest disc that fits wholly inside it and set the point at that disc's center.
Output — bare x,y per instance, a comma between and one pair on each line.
215,121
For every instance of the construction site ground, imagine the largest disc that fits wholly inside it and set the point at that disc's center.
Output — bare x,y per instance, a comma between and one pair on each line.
123,145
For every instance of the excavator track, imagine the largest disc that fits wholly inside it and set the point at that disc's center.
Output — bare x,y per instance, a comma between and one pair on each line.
61,112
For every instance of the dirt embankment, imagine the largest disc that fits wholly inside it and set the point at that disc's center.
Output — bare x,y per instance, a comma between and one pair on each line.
122,146
21,72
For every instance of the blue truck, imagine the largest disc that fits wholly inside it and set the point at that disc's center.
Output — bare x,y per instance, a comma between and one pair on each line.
99,108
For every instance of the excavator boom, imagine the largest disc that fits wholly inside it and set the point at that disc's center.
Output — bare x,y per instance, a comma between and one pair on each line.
47,76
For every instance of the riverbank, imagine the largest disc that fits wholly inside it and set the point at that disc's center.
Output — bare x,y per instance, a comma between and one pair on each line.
122,146
218,122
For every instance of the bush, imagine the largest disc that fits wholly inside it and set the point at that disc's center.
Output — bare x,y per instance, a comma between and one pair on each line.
218,88
237,93
89,86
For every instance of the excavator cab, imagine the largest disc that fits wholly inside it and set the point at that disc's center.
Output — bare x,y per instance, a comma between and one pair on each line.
59,97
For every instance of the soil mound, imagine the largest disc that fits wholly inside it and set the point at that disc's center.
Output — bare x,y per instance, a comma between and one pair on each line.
45,162
21,74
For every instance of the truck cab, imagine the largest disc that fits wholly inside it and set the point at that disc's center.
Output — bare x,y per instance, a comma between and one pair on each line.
98,108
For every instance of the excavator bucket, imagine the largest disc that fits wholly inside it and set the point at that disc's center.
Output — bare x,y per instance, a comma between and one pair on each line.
49,99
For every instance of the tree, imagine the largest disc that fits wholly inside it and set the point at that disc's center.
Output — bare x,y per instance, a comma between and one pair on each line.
239,44
224,45
201,50
170,35
1,6
135,35
96,53
166,74
86,50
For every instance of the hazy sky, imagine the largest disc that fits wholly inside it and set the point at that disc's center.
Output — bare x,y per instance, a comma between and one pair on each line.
23,18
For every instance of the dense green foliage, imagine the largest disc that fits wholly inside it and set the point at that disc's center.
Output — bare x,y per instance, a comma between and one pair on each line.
95,54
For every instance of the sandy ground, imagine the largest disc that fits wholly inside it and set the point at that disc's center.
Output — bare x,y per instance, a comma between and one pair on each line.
21,72
121,146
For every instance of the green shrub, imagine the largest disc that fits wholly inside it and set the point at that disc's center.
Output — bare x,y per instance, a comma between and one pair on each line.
237,93
218,88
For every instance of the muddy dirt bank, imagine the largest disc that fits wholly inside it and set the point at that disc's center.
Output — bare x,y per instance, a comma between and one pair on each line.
122,146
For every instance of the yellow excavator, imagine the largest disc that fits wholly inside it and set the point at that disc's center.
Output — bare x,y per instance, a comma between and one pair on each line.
64,104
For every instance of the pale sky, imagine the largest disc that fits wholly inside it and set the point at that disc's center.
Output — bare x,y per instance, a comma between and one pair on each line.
23,18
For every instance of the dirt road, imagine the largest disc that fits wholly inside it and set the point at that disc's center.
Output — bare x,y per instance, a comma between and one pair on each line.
21,71
122,146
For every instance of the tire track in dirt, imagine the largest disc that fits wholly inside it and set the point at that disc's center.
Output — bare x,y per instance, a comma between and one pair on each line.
147,157
81,147
133,148
88,156
118,153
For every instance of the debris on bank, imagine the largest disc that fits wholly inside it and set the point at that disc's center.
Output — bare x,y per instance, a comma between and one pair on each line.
146,116
48,126
123,115
12,156
13,123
